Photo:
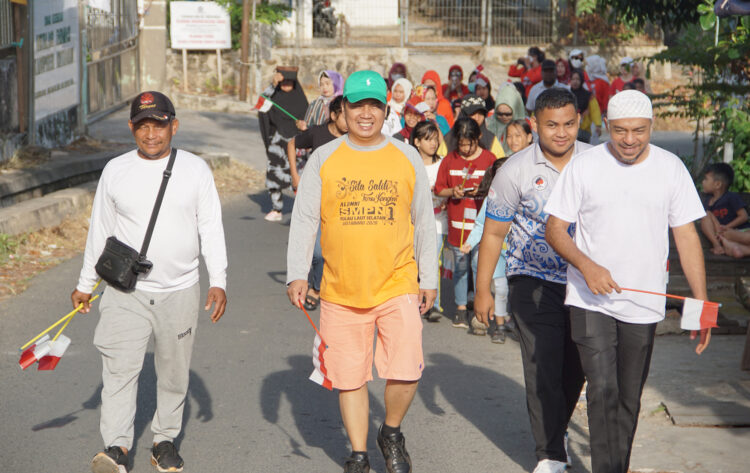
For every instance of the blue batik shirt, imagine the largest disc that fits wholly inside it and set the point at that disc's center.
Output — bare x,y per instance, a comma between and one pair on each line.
518,194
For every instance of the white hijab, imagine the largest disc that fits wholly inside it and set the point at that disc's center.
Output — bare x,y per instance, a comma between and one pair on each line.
398,107
596,67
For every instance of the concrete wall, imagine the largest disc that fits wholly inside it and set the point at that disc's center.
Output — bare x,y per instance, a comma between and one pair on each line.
203,75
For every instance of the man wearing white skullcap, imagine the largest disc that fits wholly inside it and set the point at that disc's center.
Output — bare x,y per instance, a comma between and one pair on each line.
623,196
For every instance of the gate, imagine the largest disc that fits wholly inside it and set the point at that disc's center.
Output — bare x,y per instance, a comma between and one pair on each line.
110,39
478,22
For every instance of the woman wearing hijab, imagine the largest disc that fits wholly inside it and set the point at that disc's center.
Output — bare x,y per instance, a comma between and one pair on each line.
432,78
397,71
331,84
455,88
563,71
509,107
401,92
588,107
277,128
484,91
596,67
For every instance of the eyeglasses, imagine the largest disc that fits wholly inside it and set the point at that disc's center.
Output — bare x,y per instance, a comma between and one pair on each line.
504,114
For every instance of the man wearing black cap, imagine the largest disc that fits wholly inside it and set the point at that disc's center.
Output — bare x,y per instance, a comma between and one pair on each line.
166,299
549,79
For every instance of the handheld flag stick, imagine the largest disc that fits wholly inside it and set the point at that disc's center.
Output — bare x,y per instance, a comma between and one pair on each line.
71,318
313,325
264,98
62,319
671,296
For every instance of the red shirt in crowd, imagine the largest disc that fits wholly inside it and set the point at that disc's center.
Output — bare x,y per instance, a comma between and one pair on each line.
455,170
528,77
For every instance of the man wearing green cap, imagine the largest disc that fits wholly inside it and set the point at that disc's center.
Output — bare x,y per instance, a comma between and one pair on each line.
371,196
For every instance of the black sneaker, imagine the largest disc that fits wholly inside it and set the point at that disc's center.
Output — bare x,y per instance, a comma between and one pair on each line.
357,463
394,451
165,458
460,320
433,315
110,461
498,336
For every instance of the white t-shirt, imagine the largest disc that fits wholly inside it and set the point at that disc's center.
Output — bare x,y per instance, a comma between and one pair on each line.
622,214
189,221
441,218
392,124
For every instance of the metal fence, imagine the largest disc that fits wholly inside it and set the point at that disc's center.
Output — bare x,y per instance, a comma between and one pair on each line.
112,56
479,22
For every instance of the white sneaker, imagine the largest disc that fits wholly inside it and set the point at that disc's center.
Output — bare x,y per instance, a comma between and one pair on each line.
549,466
569,461
273,216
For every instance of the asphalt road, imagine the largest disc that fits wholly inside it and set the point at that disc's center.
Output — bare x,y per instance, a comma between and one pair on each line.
251,408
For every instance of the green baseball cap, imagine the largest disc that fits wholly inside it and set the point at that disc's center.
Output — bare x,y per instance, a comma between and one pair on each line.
365,85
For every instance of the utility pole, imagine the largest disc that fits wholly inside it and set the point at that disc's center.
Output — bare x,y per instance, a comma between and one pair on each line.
244,49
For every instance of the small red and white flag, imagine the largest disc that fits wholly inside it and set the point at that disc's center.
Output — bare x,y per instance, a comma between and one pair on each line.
320,374
448,264
698,314
264,104
35,352
50,360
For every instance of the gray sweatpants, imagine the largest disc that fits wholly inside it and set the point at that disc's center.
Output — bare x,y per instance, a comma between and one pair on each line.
126,324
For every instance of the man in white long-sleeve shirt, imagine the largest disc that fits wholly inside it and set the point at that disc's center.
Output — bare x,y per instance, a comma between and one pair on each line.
166,300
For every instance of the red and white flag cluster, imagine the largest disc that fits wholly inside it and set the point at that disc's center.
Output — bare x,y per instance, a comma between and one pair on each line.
320,374
45,352
698,314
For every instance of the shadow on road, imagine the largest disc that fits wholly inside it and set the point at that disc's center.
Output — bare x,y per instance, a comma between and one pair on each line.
485,398
146,404
315,411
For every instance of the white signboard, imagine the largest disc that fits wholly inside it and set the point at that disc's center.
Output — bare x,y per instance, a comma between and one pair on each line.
199,25
55,56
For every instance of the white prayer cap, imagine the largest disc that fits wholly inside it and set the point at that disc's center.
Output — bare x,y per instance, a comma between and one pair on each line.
575,52
626,61
629,104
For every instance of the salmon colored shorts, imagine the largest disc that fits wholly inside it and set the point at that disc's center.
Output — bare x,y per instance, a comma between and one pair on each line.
348,332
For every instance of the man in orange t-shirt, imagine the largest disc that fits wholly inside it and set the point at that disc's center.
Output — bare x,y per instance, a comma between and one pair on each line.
371,197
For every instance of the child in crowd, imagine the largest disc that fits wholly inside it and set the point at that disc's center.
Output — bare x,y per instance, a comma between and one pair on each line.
725,210
432,78
430,97
401,92
459,176
276,129
498,326
425,137
413,114
331,84
518,135
313,138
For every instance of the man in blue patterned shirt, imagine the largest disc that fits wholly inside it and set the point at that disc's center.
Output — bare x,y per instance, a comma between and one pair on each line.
536,274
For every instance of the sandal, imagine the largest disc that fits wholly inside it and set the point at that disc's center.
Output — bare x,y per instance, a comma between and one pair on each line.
311,302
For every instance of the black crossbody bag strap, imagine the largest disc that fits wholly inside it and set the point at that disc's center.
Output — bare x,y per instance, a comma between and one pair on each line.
157,204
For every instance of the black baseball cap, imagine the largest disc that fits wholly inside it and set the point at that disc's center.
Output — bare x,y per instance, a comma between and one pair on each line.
151,104
472,104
